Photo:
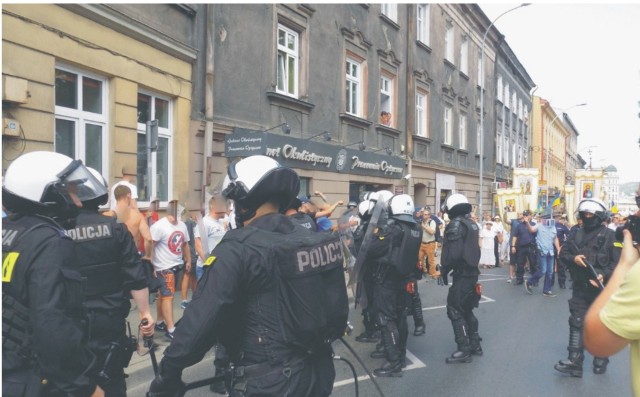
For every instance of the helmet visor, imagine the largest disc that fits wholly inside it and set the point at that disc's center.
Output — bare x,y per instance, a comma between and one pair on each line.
77,184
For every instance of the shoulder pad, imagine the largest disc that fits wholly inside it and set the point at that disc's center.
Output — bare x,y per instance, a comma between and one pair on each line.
454,230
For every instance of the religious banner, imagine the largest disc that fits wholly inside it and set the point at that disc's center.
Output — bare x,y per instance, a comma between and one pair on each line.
526,179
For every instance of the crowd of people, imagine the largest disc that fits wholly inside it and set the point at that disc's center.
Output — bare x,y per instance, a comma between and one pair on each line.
266,268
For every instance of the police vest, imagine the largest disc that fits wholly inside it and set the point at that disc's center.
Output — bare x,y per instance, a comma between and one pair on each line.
404,256
596,251
463,228
97,253
312,302
304,220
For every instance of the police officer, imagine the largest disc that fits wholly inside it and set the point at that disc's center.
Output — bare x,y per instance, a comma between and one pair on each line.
562,232
111,266
593,243
364,290
238,301
394,250
43,335
300,218
461,253
523,247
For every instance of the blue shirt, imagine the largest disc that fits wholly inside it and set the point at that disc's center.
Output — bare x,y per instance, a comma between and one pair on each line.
324,224
544,239
562,232
523,234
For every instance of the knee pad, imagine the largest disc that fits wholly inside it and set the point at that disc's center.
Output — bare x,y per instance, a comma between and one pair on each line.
454,314
472,321
382,320
575,321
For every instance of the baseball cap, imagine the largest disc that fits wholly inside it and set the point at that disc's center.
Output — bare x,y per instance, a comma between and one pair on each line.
303,199
526,213
352,204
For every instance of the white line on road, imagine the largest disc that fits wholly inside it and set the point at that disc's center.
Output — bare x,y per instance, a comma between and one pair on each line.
484,299
416,363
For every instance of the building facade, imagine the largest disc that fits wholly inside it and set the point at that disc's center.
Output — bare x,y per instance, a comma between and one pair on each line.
573,160
92,76
611,186
513,87
549,137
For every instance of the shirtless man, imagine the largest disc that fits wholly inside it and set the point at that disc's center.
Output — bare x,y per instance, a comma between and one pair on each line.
132,218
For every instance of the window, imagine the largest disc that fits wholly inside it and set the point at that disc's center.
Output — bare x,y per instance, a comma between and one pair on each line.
462,131
287,67
514,102
390,10
422,23
499,89
152,107
354,88
448,42
464,55
386,95
422,115
506,94
81,117
480,71
499,148
448,125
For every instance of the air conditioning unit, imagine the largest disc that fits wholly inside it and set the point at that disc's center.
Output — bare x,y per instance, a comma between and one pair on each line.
495,186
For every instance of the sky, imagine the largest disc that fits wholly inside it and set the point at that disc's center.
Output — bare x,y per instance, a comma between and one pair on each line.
584,53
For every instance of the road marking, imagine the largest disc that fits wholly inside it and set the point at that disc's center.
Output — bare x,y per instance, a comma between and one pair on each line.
416,364
484,299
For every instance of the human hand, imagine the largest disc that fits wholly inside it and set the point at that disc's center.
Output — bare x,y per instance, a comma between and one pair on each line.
630,254
513,250
600,278
98,392
579,260
146,328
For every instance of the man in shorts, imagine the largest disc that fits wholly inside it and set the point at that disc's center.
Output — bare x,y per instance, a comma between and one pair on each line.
170,244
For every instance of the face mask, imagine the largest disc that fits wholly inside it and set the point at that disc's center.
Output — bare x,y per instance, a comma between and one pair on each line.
589,223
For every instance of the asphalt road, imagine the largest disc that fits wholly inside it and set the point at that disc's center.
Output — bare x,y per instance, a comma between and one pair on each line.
523,337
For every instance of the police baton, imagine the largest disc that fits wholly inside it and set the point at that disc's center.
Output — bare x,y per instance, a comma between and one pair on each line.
148,343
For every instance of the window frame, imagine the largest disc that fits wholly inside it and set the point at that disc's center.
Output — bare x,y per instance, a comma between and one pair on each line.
422,24
288,53
351,81
163,132
390,10
449,45
447,123
464,55
463,131
499,148
425,118
81,117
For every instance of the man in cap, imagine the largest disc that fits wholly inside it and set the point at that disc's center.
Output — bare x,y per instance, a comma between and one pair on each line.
523,245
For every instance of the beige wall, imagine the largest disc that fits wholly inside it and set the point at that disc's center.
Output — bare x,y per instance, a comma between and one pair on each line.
548,131
35,37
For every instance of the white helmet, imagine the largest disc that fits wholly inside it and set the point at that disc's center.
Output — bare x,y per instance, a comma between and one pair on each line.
593,206
48,183
255,180
384,195
102,200
364,208
401,208
457,204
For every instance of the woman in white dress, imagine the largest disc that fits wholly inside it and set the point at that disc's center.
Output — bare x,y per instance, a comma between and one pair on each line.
487,258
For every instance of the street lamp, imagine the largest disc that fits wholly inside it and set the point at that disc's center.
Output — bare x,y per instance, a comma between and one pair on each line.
484,38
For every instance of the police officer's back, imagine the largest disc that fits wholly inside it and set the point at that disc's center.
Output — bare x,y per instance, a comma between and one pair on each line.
238,301
43,344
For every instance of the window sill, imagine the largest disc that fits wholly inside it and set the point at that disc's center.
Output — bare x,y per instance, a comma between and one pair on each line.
290,102
449,64
464,75
463,151
424,46
421,138
446,146
355,120
390,21
390,130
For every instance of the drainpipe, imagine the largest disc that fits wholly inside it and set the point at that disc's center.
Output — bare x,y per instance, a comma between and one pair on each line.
530,128
208,100
410,99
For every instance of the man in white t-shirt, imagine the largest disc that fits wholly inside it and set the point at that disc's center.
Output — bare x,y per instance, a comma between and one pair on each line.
214,225
129,180
170,249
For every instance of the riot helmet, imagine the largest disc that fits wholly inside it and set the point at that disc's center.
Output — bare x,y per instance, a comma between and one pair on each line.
256,180
365,208
352,204
401,208
457,205
384,195
100,200
50,184
592,206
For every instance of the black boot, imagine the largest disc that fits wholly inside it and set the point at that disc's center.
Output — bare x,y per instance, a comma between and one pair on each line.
474,342
219,387
463,354
418,319
600,365
378,354
390,369
370,334
573,365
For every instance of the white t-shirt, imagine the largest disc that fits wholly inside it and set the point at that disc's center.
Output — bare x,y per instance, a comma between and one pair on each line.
112,197
215,229
497,228
168,239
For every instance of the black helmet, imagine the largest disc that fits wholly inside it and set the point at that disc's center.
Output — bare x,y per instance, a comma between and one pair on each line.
256,180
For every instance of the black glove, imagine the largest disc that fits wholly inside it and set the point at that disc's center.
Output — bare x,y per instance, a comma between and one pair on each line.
444,275
161,387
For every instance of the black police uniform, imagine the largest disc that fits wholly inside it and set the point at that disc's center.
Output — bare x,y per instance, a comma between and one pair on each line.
562,231
394,252
364,290
599,247
44,349
236,304
109,261
305,221
461,253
